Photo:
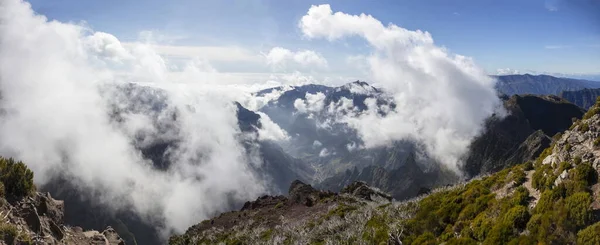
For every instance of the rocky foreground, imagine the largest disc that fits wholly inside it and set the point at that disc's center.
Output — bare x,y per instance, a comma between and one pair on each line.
38,219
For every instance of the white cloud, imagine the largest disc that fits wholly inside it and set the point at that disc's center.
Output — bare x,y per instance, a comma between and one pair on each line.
312,103
507,71
442,99
280,58
57,120
270,130
210,53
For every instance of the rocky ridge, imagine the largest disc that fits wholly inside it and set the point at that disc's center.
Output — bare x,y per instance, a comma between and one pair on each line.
38,219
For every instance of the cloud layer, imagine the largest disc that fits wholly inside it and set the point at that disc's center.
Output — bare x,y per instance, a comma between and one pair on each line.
56,82
441,99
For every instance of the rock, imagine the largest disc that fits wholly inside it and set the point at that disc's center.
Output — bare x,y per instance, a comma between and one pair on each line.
56,230
112,237
548,160
32,218
362,190
50,207
301,193
564,174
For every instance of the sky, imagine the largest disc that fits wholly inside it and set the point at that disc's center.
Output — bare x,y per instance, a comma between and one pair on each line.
516,36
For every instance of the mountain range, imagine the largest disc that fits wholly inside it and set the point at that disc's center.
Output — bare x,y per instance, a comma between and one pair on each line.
323,153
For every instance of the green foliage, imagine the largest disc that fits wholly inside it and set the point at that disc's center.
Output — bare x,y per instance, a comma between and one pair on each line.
597,142
591,112
543,177
8,233
426,238
586,173
578,206
568,146
266,235
589,235
16,177
279,205
518,176
564,166
461,241
584,127
543,155
377,230
341,210
527,166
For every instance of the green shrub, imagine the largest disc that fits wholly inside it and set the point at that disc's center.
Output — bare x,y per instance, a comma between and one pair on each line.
564,166
578,206
591,112
586,173
461,241
16,177
8,233
518,176
528,166
584,127
597,142
279,205
517,217
590,235
426,238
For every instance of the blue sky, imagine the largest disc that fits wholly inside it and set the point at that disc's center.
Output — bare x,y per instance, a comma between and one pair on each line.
561,36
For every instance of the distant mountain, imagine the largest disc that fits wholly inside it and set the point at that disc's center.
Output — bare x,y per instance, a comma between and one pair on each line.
540,84
584,98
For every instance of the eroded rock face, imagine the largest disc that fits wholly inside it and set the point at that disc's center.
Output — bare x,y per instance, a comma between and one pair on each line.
301,193
39,218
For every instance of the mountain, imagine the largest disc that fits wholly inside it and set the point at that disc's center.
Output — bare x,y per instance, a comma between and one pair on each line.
584,98
554,199
540,84
522,134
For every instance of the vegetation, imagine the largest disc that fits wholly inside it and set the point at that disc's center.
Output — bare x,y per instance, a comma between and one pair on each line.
16,178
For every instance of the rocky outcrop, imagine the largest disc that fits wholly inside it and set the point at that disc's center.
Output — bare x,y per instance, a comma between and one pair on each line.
38,219
362,190
303,204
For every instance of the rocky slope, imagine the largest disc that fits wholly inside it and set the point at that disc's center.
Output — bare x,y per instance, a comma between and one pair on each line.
584,98
552,200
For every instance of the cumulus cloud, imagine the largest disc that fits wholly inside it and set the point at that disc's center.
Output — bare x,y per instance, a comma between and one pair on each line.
441,98
312,103
279,57
270,130
55,82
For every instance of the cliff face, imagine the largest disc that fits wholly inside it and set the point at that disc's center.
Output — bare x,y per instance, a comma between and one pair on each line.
38,219
522,135
584,98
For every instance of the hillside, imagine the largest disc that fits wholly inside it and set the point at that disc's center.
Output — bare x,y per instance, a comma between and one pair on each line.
30,217
540,84
552,200
584,98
